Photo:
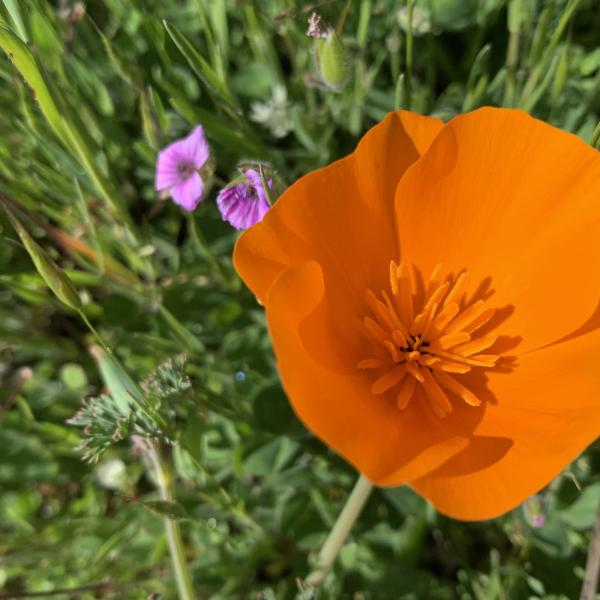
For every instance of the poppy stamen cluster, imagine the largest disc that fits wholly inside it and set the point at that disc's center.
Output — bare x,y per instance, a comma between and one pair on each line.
432,346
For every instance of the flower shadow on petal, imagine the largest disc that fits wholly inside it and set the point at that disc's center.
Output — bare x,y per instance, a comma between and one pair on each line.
482,452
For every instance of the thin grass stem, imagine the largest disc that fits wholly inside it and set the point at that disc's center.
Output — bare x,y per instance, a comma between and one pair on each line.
174,540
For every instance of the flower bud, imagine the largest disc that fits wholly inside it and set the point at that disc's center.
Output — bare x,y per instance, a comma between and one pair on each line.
332,61
52,274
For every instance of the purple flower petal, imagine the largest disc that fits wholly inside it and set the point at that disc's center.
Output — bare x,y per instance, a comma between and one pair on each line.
195,147
188,193
192,151
167,172
244,204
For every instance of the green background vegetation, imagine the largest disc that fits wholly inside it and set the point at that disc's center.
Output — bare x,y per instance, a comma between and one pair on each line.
256,494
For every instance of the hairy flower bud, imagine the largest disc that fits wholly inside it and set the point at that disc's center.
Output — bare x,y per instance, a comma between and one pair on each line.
332,61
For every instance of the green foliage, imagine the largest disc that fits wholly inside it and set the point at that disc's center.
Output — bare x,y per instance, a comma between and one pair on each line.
88,97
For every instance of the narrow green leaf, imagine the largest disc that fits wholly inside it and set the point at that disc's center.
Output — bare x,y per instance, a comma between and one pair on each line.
218,16
562,72
12,7
220,129
53,275
540,36
213,48
22,58
117,63
595,139
148,122
85,215
165,508
121,387
200,66
529,102
71,133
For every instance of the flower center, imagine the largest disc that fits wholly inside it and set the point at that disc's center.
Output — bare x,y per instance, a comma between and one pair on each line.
185,169
427,339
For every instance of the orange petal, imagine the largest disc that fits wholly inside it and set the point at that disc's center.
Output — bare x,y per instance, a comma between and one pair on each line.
548,407
513,201
368,430
329,213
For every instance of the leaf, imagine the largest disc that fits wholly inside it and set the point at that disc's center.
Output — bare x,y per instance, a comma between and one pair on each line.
271,457
12,7
201,67
53,275
192,439
219,129
582,513
122,388
273,412
71,132
172,510
22,58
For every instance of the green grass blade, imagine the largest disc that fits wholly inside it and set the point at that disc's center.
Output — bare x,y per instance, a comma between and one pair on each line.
216,86
12,8
24,61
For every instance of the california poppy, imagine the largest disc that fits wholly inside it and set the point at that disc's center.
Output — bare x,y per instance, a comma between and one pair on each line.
433,304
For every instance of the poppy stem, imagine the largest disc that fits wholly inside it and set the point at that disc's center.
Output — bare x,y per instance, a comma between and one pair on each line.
341,529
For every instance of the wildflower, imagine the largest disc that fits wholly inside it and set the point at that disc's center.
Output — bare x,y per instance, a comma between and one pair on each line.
533,508
178,166
274,113
112,474
421,20
246,203
477,381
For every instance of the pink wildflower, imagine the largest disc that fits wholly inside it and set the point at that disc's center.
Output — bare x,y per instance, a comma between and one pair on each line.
177,169
245,204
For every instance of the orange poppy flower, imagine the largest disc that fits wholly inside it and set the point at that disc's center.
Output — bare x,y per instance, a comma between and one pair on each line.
433,304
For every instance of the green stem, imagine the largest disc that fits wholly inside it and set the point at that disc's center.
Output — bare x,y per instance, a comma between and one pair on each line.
512,58
341,529
95,333
592,567
265,185
176,550
340,24
204,250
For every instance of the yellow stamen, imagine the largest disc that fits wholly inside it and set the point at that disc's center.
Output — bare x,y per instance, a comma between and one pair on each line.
459,389
435,394
374,363
450,340
413,369
406,392
476,345
431,349
389,380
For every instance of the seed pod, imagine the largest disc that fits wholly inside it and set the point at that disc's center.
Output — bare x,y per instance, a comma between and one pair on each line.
332,60
52,274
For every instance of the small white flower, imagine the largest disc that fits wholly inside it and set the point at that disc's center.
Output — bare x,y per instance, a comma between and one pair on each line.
421,20
112,474
273,113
